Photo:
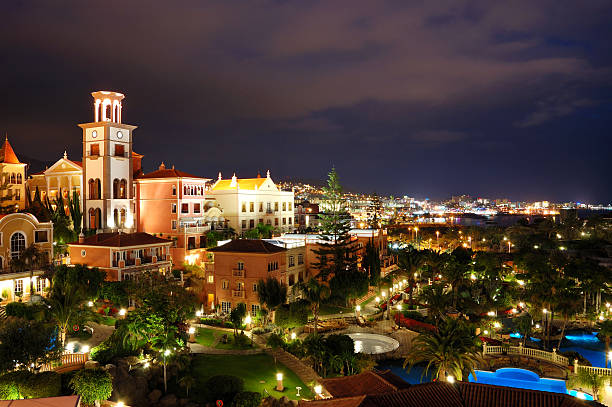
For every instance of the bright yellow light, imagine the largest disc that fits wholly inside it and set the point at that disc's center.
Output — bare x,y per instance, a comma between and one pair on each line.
384,294
90,304
248,319
293,336
497,325
377,299
279,376
537,326
191,330
520,282
122,311
318,389
473,276
358,308
85,349
120,404
544,310
521,304
399,307
450,379
491,313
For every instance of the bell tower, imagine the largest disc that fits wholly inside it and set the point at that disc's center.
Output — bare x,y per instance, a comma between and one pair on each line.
108,193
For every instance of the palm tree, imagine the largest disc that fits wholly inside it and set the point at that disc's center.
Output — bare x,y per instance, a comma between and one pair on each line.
452,349
313,292
64,301
187,382
437,299
588,379
29,259
568,305
411,261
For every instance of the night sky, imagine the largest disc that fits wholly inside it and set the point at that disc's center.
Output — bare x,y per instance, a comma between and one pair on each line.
423,98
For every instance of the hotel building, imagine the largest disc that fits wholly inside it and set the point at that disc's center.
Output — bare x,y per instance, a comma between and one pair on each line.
13,176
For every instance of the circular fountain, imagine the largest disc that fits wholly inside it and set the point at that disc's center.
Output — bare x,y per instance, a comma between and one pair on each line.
373,344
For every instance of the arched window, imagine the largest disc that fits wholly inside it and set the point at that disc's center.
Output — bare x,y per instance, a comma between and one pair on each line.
19,181
123,189
98,189
18,244
98,218
116,217
122,218
115,188
13,178
92,186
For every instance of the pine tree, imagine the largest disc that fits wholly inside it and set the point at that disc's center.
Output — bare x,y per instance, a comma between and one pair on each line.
337,253
371,263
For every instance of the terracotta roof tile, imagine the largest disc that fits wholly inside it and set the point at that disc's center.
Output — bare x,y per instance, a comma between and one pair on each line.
7,155
344,402
116,239
168,173
364,383
248,246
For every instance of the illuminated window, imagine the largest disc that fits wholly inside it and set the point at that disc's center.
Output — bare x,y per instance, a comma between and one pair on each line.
291,261
226,307
18,244
252,207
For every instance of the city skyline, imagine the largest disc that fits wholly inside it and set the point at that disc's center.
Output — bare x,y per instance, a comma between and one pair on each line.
402,100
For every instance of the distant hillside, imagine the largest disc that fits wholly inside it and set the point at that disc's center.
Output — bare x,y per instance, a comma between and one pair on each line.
35,165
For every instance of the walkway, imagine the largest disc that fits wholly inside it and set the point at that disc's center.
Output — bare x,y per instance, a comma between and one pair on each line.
304,372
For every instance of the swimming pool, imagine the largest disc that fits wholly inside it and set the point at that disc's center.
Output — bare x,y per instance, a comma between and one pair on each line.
587,344
523,379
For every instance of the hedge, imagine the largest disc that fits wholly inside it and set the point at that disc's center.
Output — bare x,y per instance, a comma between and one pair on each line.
22,383
247,399
24,310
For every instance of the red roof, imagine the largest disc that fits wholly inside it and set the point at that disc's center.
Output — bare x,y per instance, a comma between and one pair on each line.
116,239
163,172
364,383
248,246
7,155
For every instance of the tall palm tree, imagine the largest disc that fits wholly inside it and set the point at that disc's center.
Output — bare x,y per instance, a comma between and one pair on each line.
272,293
452,349
313,292
568,305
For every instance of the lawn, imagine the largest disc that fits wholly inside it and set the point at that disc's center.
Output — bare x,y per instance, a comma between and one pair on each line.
329,309
253,369
207,336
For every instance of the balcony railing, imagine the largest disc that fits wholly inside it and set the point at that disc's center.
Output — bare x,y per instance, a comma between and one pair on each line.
238,273
238,293
194,229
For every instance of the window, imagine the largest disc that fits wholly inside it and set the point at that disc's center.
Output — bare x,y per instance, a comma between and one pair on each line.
268,207
18,244
290,221
226,307
276,206
18,194
254,287
211,279
225,285
119,150
41,236
239,286
173,190
173,208
290,205
243,223
196,208
41,283
252,223
254,309
94,149
284,221
261,207
275,221
252,207
284,206
240,265
300,259
174,225
18,286
184,208
243,207
291,261
260,221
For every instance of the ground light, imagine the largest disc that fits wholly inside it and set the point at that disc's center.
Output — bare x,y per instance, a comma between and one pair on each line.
318,390
90,304
279,382
450,379
85,349
120,404
122,312
293,336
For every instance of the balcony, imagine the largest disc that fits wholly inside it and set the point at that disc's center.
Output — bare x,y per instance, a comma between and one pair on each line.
238,273
194,229
238,293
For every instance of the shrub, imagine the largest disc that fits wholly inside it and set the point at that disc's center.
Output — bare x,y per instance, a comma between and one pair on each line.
417,316
339,344
247,399
92,385
216,322
571,355
224,387
296,348
12,384
45,384
275,341
25,311
242,341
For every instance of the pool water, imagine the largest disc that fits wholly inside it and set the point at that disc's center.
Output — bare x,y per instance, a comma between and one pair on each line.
412,377
524,379
518,335
373,343
587,344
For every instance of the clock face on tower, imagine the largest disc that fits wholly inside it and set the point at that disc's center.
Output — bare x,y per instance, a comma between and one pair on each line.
119,135
94,134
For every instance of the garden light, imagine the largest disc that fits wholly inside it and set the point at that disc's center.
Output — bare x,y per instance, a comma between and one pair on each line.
122,312
279,382
521,304
120,404
450,379
85,349
377,299
486,332
473,276
491,313
399,307
318,389
146,365
248,320
198,313
358,308
90,304
497,325
384,294
167,352
293,336
520,282
535,246
537,326
607,305
601,317
70,347
544,310
191,330
404,281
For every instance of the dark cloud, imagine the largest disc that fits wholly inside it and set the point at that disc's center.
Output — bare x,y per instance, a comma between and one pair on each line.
473,96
